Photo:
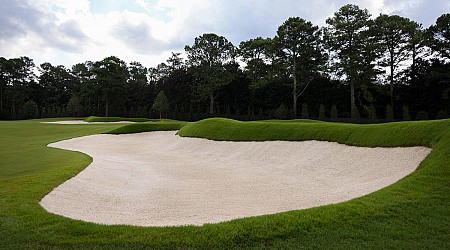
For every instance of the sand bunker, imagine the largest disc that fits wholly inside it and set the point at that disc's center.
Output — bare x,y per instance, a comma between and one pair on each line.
83,122
161,179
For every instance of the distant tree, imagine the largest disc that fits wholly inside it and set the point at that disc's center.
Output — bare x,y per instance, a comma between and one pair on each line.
88,89
305,113
253,53
440,35
334,113
138,89
396,35
161,104
210,57
389,113
58,83
372,114
281,112
30,108
321,112
111,75
352,43
17,74
74,106
422,115
299,41
406,115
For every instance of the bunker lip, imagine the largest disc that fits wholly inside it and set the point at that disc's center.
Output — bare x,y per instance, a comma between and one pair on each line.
161,179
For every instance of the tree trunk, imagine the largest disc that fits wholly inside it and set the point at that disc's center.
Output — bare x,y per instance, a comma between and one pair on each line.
211,104
392,81
294,92
413,65
160,116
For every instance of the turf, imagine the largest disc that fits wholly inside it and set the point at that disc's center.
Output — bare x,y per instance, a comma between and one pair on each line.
116,119
164,125
411,214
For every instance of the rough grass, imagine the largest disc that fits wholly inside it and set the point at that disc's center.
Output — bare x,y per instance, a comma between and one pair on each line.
410,214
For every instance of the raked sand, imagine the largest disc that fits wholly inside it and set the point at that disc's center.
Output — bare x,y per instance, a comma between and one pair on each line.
161,179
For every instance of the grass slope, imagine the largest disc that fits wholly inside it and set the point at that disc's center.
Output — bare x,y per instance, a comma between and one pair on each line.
116,119
164,125
411,214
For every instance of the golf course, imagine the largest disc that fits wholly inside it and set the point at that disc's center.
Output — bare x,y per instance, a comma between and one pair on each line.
410,213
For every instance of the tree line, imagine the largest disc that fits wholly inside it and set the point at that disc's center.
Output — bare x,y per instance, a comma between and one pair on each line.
355,68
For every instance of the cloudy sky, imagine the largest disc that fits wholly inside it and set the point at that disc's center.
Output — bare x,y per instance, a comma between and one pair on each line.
65,32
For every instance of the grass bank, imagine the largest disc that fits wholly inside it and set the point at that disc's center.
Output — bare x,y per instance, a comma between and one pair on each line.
411,214
164,125
116,119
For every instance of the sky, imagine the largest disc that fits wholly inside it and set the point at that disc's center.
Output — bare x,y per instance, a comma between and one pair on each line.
66,32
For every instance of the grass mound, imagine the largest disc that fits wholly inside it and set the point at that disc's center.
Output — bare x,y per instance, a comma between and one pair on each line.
115,119
422,133
146,127
410,214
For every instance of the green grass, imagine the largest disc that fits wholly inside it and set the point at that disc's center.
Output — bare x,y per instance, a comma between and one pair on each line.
164,125
410,214
116,119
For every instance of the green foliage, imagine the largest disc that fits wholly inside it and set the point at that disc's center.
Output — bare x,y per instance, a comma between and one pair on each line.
281,112
305,114
298,41
389,113
161,104
30,109
212,60
440,35
421,115
334,113
401,216
442,114
395,34
111,76
406,116
372,114
349,36
321,112
74,106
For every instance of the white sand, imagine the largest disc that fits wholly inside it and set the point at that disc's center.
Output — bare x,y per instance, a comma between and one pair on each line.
160,179
83,122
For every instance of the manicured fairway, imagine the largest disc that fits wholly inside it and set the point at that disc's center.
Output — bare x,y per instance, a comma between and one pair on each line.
411,214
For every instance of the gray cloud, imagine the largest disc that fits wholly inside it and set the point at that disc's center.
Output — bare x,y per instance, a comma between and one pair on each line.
138,37
426,12
20,18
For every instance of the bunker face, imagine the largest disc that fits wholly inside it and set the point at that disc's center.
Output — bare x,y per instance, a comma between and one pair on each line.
161,179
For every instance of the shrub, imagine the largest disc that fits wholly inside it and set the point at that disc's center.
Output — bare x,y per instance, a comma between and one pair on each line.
30,109
442,114
305,114
389,113
406,116
321,112
422,115
334,112
281,112
372,114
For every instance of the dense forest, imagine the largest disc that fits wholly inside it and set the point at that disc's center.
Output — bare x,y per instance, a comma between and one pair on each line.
356,68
